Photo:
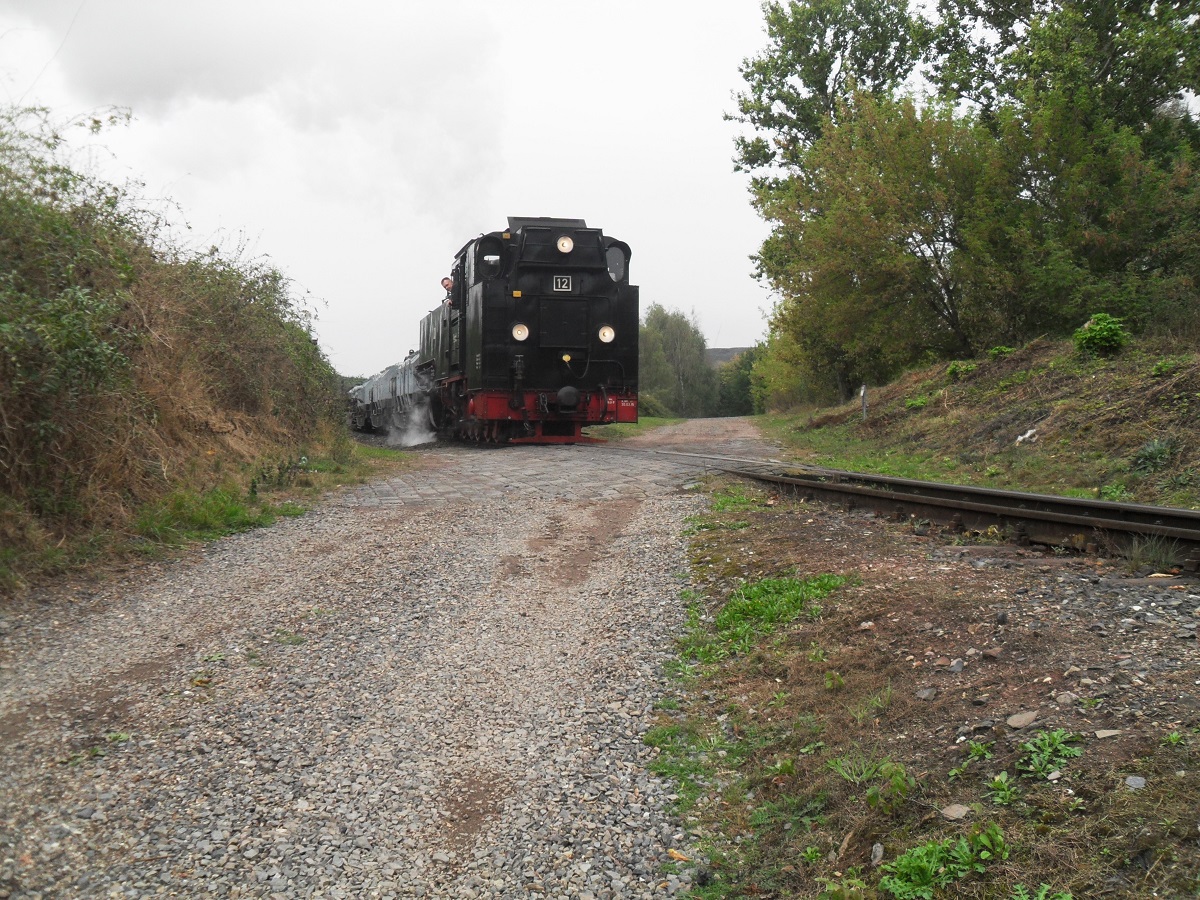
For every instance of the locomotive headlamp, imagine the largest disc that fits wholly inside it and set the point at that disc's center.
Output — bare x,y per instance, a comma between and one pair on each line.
565,244
520,332
607,334
566,357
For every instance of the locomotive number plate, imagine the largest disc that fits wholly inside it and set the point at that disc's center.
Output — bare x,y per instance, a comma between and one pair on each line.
562,282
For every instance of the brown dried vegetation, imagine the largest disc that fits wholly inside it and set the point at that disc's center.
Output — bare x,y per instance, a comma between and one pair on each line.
129,367
798,797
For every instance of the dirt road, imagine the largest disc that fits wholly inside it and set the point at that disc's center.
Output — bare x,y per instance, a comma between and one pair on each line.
432,685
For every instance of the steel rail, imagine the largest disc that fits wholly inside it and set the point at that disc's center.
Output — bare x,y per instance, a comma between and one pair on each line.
1039,518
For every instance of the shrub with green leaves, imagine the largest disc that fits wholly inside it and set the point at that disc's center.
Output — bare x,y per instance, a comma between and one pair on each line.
1153,455
958,370
123,356
1101,335
894,789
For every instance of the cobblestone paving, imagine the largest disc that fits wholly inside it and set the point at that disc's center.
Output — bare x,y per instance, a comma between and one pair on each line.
572,472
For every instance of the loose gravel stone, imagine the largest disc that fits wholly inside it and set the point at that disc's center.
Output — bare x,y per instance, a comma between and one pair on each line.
431,686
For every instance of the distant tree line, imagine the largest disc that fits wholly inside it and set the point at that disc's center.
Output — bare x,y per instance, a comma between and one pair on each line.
1048,172
676,378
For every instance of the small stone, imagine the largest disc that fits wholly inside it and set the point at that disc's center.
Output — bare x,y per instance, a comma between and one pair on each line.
1066,698
1107,733
926,693
866,626
1002,617
942,661
441,856
1022,719
993,652
1054,776
876,854
957,666
1135,782
956,811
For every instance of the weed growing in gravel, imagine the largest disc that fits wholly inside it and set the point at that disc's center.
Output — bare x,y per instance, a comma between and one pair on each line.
1043,892
893,791
873,705
679,760
288,638
1047,752
1001,790
937,864
857,769
186,515
752,612
732,498
1152,551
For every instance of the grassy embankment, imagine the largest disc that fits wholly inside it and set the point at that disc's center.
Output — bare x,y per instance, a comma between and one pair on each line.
798,748
1121,428
799,741
149,394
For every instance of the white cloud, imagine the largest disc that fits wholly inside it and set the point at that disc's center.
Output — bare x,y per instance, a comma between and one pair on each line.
361,145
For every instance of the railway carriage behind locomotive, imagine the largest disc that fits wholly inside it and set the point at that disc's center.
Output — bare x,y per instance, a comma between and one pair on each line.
536,340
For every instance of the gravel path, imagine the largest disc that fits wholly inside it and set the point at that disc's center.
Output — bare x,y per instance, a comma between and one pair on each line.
433,685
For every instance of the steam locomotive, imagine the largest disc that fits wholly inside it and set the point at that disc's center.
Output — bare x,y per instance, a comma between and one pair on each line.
536,339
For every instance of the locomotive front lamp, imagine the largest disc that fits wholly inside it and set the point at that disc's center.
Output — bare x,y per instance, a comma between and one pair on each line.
566,357
520,332
565,244
607,334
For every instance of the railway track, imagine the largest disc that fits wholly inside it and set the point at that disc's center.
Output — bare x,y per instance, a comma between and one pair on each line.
1079,524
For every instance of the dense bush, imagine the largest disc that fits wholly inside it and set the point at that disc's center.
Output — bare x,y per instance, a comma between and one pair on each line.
124,360
1101,335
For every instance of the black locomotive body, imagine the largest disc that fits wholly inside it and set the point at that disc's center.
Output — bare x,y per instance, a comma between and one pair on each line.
537,339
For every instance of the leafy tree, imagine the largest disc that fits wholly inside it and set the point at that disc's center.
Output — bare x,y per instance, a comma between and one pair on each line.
819,51
895,245
1128,60
735,396
780,379
902,230
673,367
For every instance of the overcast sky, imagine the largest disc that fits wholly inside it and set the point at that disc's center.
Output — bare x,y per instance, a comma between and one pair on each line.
359,145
